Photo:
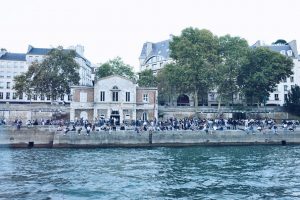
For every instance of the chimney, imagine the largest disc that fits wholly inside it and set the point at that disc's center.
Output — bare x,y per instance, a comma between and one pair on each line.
148,48
3,51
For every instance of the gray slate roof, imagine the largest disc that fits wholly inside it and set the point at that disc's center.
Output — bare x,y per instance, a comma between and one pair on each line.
159,48
38,51
14,56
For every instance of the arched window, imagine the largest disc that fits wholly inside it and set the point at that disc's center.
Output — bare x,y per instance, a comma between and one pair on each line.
115,93
183,100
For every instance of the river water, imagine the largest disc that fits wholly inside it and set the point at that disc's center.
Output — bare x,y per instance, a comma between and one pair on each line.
248,172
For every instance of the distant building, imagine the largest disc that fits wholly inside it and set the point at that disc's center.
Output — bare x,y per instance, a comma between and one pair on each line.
13,64
289,49
155,55
114,97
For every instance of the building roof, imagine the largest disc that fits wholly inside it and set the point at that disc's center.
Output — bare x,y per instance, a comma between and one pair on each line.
114,76
44,51
37,51
158,49
13,56
279,47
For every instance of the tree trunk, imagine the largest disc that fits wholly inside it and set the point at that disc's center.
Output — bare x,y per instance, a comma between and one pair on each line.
196,98
219,103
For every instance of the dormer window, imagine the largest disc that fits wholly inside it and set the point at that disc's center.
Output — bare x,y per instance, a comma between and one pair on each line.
282,52
290,53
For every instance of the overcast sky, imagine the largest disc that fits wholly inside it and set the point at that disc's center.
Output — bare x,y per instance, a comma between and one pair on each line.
110,28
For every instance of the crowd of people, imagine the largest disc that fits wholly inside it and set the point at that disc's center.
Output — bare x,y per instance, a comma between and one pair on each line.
192,124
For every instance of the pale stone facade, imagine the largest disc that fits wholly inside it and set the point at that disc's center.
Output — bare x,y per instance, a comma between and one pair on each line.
114,97
13,64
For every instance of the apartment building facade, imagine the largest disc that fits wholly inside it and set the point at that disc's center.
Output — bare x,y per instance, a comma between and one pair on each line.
114,97
13,64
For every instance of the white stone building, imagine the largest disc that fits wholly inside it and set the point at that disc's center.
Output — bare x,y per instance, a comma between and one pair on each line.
12,64
280,94
114,97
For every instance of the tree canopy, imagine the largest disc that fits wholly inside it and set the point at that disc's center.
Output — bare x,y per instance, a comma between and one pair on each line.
53,76
233,52
115,67
293,100
147,79
260,75
195,55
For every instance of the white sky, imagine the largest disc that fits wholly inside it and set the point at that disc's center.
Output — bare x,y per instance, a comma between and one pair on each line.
110,28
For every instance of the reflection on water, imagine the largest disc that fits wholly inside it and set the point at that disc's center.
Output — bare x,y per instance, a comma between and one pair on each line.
251,172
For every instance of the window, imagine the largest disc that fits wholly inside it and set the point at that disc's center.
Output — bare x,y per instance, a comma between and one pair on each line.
115,93
14,95
292,79
145,98
69,97
285,97
212,96
54,97
102,96
48,97
276,88
115,96
289,53
42,97
35,97
2,85
127,96
62,97
284,80
8,85
28,97
83,97
285,88
21,96
145,116
7,95
1,95
276,96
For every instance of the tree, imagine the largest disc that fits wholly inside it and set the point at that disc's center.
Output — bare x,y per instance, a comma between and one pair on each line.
170,81
195,53
147,79
260,75
233,53
53,76
293,100
115,67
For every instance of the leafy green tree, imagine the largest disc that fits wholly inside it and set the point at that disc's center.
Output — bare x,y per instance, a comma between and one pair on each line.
292,103
147,79
170,82
195,53
53,76
115,67
260,75
234,54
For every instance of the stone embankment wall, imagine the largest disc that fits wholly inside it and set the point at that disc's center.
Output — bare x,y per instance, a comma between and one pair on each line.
27,136
49,137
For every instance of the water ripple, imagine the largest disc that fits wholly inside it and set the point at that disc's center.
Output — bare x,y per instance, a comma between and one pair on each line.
253,172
